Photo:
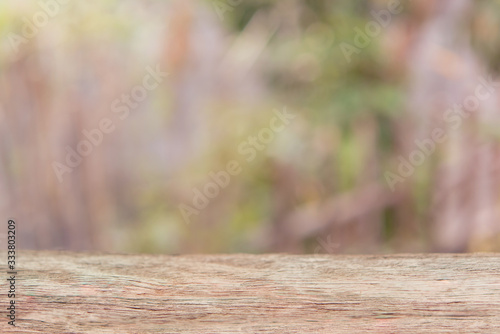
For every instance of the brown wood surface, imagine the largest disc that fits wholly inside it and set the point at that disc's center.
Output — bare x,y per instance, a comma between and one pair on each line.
278,293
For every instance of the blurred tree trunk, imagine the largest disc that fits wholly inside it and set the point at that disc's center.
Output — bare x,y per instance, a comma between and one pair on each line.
445,72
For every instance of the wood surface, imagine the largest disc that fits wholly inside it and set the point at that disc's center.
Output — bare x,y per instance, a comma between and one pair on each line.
276,293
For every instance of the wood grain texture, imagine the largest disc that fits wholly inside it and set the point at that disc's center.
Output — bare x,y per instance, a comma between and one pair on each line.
277,293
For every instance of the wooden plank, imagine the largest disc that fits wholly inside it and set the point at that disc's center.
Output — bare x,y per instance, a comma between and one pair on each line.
277,293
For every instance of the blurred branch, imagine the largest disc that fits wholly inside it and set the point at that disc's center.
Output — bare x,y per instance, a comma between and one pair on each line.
310,219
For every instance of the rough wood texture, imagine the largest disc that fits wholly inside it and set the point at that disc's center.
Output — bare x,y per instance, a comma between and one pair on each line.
89,293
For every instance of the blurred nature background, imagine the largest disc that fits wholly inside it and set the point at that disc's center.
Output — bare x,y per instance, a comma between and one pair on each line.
362,93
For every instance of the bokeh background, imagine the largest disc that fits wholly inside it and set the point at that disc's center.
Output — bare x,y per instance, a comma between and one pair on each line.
319,186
